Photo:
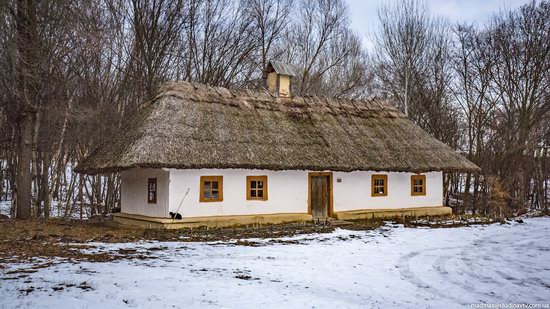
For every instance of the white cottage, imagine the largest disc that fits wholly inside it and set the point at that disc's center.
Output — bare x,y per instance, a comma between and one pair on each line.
220,157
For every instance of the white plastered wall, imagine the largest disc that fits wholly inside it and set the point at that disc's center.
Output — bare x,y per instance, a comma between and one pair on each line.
354,191
287,193
134,192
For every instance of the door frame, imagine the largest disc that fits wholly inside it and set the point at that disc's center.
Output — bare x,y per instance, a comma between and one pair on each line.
331,200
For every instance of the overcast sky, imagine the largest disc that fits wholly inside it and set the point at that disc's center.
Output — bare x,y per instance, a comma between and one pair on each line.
364,19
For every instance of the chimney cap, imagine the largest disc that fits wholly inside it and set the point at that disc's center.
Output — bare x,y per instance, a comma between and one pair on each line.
280,68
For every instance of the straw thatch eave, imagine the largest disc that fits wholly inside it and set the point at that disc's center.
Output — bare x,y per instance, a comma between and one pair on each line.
193,126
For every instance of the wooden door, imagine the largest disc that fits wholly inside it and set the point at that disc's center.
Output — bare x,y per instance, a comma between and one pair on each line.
320,195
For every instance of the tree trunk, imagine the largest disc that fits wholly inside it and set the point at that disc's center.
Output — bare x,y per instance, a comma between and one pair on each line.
475,197
36,181
70,203
92,197
99,193
109,195
2,172
27,49
80,193
466,199
45,183
24,160
545,196
446,185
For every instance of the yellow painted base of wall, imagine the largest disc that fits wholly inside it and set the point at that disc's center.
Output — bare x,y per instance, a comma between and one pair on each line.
165,223
392,213
220,221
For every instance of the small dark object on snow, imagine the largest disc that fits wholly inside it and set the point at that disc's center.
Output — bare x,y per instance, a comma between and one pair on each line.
176,216
116,209
28,290
246,277
519,221
84,286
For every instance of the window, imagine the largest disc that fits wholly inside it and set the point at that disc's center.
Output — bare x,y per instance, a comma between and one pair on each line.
256,188
152,191
418,185
379,185
211,189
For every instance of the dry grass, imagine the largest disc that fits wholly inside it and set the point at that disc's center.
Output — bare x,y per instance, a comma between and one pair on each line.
25,240
64,231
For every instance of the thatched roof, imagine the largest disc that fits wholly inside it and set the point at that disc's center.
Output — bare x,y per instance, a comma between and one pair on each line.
197,126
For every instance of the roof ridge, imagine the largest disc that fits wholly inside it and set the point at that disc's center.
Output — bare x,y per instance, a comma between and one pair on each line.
361,107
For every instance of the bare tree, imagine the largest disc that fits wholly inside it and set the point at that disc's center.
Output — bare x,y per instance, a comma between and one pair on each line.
414,69
218,44
321,45
472,63
26,29
156,27
520,43
271,18
401,45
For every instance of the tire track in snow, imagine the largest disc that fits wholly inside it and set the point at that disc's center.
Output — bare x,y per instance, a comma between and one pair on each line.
513,257
473,273
404,266
468,268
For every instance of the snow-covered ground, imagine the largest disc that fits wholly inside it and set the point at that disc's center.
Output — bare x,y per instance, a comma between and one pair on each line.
5,207
383,268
